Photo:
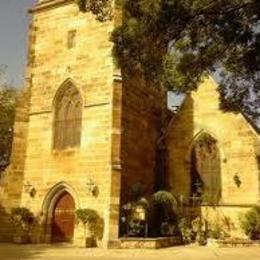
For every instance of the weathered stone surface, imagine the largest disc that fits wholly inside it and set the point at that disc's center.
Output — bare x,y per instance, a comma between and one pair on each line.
89,66
238,144
110,111
121,129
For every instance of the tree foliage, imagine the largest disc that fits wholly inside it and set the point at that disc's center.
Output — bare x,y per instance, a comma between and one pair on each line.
87,216
7,114
100,8
177,42
22,218
250,223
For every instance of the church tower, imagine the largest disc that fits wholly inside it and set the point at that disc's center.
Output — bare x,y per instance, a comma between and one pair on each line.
66,149
83,136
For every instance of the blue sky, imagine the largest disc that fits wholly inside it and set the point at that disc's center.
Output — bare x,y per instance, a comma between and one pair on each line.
14,22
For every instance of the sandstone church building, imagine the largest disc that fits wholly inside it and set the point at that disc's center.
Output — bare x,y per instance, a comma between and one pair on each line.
83,136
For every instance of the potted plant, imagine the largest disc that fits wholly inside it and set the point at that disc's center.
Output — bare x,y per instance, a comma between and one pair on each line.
165,206
89,218
23,220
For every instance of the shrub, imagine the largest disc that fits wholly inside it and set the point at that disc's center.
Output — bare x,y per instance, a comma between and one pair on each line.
166,203
166,199
22,218
215,232
87,216
250,223
185,228
220,229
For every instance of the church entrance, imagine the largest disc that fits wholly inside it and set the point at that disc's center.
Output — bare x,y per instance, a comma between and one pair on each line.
63,219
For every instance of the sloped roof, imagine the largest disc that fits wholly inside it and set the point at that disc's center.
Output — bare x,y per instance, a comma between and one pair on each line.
255,125
216,76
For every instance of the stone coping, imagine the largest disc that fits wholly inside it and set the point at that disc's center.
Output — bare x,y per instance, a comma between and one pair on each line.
148,243
233,243
145,238
48,4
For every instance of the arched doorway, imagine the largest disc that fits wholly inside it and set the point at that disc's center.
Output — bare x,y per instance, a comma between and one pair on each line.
63,219
205,170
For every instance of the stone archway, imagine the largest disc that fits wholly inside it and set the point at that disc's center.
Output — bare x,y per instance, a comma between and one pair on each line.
59,199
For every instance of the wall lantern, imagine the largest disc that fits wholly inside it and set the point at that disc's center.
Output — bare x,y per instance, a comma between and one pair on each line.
92,187
29,188
237,180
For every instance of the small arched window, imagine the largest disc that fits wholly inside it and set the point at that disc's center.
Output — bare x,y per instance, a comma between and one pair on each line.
67,118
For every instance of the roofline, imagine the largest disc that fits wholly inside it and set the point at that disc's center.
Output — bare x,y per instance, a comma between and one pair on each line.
251,123
49,4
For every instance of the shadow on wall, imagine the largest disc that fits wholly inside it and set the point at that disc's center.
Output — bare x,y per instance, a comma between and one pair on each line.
179,141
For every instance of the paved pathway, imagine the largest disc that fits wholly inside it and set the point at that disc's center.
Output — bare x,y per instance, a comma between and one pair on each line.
8,251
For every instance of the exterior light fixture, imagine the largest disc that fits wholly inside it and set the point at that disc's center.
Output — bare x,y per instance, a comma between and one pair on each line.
92,187
29,188
237,180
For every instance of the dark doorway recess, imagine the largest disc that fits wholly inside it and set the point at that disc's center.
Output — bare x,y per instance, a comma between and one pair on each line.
63,219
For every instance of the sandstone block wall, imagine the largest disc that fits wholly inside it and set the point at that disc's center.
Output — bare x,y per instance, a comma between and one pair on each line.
89,66
121,126
11,183
237,142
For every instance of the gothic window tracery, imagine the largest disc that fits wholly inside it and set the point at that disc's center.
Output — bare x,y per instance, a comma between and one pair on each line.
68,116
206,169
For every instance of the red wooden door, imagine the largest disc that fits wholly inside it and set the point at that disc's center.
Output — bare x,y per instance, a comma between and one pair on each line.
63,219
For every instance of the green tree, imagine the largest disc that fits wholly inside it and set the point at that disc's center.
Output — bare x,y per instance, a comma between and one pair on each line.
177,42
250,223
7,114
100,8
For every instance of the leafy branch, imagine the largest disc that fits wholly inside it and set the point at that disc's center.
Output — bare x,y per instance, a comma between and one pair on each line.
100,8
175,42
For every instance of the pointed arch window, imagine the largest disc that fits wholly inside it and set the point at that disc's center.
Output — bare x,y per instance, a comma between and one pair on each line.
206,169
67,118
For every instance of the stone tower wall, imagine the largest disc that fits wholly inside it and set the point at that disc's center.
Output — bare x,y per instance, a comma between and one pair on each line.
12,179
89,67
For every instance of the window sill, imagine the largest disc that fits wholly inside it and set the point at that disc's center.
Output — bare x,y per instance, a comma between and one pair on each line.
65,152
